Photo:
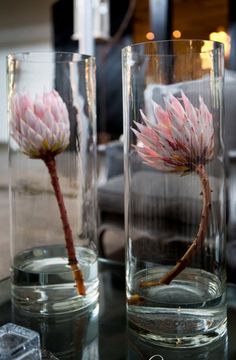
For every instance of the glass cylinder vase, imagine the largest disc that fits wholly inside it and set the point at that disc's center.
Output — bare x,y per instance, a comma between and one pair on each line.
174,191
52,123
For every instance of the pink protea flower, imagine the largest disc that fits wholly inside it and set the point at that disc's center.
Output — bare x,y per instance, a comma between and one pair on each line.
40,126
180,138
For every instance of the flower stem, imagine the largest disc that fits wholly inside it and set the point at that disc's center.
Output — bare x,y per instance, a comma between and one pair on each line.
50,162
199,239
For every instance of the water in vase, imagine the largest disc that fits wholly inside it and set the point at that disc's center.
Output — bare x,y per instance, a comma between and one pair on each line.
190,311
42,281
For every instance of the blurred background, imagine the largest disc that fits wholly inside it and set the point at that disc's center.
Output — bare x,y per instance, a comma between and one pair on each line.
33,25
102,28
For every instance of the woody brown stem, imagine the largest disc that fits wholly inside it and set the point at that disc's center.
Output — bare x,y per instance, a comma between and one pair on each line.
73,262
183,262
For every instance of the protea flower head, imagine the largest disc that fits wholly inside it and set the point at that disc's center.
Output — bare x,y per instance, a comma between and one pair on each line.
180,138
40,126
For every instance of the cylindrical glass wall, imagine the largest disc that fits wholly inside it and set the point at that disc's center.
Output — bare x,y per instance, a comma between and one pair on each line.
53,181
174,191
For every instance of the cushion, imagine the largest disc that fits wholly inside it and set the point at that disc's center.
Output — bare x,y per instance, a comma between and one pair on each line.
154,194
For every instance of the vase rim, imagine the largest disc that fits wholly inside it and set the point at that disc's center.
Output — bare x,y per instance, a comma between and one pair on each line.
210,47
49,56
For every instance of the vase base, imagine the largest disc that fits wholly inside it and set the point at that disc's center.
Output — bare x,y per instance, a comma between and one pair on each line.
180,341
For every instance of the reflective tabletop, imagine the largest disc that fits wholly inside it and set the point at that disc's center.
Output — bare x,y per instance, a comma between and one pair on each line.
102,333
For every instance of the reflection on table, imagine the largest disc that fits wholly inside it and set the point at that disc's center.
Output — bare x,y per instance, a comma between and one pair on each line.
71,336
138,349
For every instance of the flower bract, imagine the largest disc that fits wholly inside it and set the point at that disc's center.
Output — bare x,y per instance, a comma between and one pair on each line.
178,137
40,126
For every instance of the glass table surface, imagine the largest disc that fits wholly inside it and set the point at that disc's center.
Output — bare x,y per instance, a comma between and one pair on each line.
102,334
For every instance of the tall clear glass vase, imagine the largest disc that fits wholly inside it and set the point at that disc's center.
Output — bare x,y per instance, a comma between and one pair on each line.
174,191
53,182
